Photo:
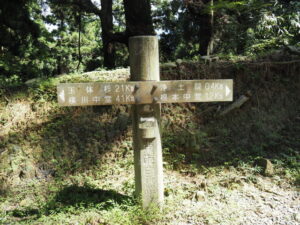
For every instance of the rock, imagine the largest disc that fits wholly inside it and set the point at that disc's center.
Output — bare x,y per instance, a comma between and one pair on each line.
297,217
178,61
27,202
16,149
266,165
32,82
168,65
199,196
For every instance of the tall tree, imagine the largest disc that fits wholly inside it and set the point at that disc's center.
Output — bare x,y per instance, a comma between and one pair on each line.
105,16
204,20
107,30
138,17
15,29
19,39
78,20
138,22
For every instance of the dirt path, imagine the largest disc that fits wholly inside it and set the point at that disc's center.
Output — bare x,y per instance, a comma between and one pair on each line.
233,200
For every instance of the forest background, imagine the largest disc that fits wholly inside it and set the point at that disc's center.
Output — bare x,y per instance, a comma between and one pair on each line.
45,38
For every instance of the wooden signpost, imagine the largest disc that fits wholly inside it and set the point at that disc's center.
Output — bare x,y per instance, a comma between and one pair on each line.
145,92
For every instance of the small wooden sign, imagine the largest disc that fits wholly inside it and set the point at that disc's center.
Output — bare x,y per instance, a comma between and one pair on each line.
144,92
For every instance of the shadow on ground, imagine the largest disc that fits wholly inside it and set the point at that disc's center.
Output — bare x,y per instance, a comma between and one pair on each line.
73,198
86,196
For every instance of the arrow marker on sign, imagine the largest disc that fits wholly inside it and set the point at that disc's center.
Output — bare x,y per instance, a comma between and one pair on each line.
227,91
62,95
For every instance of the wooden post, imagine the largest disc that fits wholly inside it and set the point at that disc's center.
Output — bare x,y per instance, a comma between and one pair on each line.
144,66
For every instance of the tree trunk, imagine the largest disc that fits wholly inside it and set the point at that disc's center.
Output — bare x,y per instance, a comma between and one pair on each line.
79,40
205,33
59,58
107,29
204,20
138,18
211,44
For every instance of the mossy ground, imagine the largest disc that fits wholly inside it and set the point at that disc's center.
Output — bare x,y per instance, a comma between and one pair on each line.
75,165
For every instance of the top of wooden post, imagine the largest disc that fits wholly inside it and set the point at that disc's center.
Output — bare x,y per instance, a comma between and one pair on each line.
143,57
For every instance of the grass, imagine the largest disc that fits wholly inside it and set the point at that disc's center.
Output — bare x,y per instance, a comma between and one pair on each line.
75,165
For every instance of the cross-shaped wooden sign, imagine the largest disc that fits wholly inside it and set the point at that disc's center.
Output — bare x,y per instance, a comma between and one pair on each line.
145,92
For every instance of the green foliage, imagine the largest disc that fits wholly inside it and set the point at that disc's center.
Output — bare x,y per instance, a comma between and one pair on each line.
9,82
52,50
41,38
277,27
31,56
253,27
179,33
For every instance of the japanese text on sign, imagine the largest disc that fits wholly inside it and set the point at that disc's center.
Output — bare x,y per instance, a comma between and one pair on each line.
144,92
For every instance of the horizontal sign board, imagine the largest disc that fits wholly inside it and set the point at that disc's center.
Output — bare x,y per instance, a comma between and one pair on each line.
144,92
